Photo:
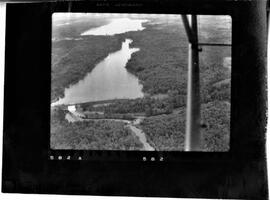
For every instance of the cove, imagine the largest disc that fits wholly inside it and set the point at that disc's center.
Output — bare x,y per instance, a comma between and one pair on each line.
108,80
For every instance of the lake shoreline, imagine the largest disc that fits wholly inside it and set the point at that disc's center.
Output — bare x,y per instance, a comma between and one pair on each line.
83,69
109,79
161,67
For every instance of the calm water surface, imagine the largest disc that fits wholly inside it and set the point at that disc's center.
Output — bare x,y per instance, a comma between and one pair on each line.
108,80
117,26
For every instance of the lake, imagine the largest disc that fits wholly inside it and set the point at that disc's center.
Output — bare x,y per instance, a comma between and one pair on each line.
108,80
117,26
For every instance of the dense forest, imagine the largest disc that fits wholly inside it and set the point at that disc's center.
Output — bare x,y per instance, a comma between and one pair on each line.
101,135
167,132
161,67
161,63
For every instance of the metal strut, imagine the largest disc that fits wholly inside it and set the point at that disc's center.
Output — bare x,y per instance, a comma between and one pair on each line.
193,115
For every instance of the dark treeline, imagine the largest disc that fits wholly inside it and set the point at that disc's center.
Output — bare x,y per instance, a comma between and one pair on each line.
147,105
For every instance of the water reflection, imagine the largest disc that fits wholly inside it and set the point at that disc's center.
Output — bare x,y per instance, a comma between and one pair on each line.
108,80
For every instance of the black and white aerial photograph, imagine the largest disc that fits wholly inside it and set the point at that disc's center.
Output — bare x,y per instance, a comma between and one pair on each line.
140,82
